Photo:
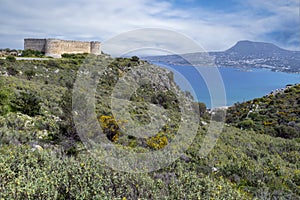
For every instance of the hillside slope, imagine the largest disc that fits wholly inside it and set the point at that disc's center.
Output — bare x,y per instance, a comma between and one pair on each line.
42,157
277,114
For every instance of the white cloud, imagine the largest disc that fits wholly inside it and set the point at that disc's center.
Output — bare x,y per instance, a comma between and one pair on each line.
103,19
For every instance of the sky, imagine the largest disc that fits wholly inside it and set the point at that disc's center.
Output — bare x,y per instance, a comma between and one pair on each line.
215,25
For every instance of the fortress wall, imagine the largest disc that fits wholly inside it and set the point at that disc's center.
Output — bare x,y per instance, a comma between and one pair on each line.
57,47
35,44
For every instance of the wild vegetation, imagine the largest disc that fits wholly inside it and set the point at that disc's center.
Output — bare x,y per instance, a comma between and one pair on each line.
42,156
277,114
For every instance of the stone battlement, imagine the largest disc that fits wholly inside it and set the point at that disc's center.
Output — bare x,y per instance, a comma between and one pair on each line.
56,47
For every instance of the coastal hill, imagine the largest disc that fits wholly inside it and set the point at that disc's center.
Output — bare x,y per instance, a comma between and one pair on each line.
244,54
276,114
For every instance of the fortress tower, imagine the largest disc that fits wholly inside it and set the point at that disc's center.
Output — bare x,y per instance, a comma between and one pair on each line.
56,47
95,48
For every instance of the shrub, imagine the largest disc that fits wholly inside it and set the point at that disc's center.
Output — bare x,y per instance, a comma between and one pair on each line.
5,97
26,102
11,58
135,58
158,142
38,174
53,64
111,127
75,56
287,132
167,99
246,124
31,53
67,125
29,74
12,71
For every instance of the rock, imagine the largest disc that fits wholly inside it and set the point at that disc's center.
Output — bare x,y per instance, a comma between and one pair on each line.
185,158
214,169
36,147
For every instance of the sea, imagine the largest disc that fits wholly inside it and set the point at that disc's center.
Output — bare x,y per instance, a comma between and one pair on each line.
225,86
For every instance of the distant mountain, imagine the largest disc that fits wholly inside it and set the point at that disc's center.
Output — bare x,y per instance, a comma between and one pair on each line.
244,54
255,48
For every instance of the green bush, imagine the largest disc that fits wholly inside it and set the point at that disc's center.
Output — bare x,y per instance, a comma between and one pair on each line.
5,97
287,132
31,53
12,71
67,126
29,74
26,102
135,58
246,124
75,56
11,59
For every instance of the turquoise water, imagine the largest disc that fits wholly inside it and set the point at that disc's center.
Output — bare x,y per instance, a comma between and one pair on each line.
239,85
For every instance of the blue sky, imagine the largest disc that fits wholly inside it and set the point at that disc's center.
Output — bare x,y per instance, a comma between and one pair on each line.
213,24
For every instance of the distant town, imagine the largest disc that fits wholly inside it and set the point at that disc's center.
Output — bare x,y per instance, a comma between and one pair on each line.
244,55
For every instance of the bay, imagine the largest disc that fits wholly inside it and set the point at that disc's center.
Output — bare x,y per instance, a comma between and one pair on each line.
240,85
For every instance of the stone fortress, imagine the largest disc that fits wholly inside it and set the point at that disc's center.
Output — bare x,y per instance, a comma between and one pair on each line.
56,47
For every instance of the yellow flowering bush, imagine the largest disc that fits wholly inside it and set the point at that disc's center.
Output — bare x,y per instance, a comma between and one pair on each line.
158,142
111,127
